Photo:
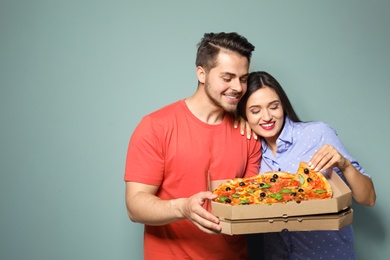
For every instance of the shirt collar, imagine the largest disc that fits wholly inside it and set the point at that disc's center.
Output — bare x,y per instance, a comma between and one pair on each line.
287,132
285,138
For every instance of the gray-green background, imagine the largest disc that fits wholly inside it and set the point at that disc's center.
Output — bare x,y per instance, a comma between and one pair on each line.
77,76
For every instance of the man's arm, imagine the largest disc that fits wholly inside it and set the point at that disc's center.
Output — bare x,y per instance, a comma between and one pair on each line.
145,207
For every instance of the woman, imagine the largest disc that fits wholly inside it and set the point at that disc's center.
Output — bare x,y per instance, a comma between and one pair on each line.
286,141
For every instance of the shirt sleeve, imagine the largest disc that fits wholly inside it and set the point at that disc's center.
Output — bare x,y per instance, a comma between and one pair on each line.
253,165
330,137
144,161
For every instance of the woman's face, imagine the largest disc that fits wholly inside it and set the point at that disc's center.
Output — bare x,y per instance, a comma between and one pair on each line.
265,115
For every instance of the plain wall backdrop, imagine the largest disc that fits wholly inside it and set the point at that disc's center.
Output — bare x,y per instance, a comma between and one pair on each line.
76,77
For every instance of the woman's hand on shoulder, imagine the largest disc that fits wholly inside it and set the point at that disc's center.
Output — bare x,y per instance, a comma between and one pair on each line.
244,127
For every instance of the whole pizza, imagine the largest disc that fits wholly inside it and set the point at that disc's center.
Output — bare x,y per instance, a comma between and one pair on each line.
275,187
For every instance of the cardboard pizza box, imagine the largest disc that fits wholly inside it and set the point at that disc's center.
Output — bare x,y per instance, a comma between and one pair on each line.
333,221
341,200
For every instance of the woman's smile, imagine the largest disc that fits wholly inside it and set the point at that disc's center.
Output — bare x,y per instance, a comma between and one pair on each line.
268,126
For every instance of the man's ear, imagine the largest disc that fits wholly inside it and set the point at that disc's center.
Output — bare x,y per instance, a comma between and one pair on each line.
201,74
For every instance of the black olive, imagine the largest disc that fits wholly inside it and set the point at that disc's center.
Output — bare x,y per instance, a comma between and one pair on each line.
261,184
275,176
298,201
300,190
228,189
242,183
293,194
309,179
306,170
272,180
262,194
228,201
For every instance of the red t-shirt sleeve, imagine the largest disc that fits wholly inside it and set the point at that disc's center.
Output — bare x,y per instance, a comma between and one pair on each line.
145,161
254,156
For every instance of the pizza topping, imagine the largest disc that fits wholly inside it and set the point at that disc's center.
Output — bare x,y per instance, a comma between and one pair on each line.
276,196
285,191
223,198
301,179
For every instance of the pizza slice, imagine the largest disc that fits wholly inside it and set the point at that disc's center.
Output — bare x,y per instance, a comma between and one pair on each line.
313,184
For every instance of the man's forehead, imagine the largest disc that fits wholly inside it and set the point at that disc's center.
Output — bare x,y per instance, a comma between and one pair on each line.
232,63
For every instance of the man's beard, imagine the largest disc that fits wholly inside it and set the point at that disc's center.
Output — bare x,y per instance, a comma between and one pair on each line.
232,107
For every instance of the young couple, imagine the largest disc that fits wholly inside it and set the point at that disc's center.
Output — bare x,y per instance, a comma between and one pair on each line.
173,150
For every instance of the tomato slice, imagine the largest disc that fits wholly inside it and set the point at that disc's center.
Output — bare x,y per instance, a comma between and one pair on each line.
235,201
227,193
287,197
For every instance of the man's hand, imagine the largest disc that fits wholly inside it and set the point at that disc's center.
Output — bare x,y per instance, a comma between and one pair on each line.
145,207
192,209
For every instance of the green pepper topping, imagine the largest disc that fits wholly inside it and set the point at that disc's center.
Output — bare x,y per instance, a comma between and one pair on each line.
235,196
244,202
301,179
251,191
266,186
276,196
320,191
285,191
223,198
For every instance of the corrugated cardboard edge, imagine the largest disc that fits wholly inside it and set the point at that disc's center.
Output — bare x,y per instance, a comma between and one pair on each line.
342,199
334,221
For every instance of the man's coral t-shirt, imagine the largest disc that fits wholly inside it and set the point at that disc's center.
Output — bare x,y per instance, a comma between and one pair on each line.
174,150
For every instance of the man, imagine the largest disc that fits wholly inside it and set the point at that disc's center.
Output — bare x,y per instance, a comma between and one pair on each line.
174,151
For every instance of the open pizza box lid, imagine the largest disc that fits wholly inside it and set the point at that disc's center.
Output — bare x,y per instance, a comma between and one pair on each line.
333,221
341,200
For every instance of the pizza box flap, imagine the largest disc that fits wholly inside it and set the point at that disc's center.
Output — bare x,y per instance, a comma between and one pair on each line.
332,221
341,199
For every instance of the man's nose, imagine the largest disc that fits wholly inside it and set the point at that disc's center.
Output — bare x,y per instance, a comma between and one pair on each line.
237,85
